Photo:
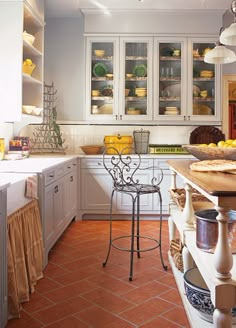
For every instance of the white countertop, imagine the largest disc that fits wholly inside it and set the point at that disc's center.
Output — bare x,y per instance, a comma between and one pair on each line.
33,164
40,163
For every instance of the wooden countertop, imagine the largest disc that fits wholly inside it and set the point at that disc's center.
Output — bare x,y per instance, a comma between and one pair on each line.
214,183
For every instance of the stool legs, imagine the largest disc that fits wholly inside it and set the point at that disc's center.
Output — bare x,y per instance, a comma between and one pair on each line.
160,233
135,233
110,235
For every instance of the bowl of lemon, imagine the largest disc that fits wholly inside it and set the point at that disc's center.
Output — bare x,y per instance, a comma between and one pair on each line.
222,150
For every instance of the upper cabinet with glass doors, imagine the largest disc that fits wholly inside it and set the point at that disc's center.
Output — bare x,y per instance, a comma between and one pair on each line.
186,88
102,78
119,78
170,78
204,93
136,78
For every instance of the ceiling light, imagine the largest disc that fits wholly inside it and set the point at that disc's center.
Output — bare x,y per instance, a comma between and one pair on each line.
220,54
228,36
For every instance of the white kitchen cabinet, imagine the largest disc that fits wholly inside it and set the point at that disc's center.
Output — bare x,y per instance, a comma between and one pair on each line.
58,201
188,88
3,259
96,186
118,78
16,88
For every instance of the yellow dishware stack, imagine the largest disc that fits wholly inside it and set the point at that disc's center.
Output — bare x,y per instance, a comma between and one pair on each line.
141,92
28,66
206,73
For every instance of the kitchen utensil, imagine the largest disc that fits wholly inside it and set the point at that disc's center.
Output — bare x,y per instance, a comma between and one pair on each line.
207,229
99,70
205,152
91,149
174,90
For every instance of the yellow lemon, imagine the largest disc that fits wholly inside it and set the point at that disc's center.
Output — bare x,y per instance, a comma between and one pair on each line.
212,144
203,145
234,143
220,143
229,141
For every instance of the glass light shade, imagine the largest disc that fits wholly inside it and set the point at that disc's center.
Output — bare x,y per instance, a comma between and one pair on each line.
228,36
220,55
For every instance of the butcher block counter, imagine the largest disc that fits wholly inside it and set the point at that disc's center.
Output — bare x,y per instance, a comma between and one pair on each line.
218,269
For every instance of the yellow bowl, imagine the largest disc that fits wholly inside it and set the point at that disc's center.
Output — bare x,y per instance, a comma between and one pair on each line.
95,93
99,53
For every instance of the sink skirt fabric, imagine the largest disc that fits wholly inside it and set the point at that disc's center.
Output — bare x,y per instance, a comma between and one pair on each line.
25,255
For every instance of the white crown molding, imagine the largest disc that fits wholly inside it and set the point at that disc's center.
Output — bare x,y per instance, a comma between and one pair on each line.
174,12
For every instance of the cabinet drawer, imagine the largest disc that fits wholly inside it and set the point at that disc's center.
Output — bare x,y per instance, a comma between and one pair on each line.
91,163
69,166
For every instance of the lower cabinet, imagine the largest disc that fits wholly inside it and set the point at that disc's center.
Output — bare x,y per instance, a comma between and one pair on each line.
58,202
96,188
3,259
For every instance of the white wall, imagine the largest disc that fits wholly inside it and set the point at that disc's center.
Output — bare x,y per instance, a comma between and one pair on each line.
64,64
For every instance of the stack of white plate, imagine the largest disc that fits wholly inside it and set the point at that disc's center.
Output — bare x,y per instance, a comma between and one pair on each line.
171,111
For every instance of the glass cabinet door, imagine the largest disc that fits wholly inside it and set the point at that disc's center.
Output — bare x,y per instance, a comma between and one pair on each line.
136,78
169,77
102,76
203,77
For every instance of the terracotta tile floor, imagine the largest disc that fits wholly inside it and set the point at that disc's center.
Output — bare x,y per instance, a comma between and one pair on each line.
78,292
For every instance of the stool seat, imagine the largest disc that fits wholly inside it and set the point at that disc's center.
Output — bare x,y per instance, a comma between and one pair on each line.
123,168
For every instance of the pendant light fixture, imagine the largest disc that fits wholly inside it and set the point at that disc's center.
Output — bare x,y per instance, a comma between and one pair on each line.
228,36
220,54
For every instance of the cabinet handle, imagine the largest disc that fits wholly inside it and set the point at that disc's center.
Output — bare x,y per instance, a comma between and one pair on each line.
116,117
120,117
51,175
74,164
68,167
189,118
56,189
184,117
71,178
100,164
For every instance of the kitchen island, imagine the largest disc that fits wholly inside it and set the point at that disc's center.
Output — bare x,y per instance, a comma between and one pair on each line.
218,269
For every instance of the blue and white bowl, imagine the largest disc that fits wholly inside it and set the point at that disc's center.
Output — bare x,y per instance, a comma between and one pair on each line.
199,296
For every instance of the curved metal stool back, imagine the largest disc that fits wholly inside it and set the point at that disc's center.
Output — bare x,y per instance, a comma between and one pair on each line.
123,167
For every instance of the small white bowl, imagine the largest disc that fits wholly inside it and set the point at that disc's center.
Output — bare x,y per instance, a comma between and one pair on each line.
28,38
27,109
37,111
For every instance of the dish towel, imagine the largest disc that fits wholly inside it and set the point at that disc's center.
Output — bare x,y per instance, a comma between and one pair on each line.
31,188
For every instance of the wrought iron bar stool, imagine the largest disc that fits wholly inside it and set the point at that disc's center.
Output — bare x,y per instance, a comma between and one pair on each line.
122,167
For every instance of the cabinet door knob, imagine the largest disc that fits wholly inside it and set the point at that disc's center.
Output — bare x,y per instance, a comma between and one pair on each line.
71,178
116,117
56,189
120,117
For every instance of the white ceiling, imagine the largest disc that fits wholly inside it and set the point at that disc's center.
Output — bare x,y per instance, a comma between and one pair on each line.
73,8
